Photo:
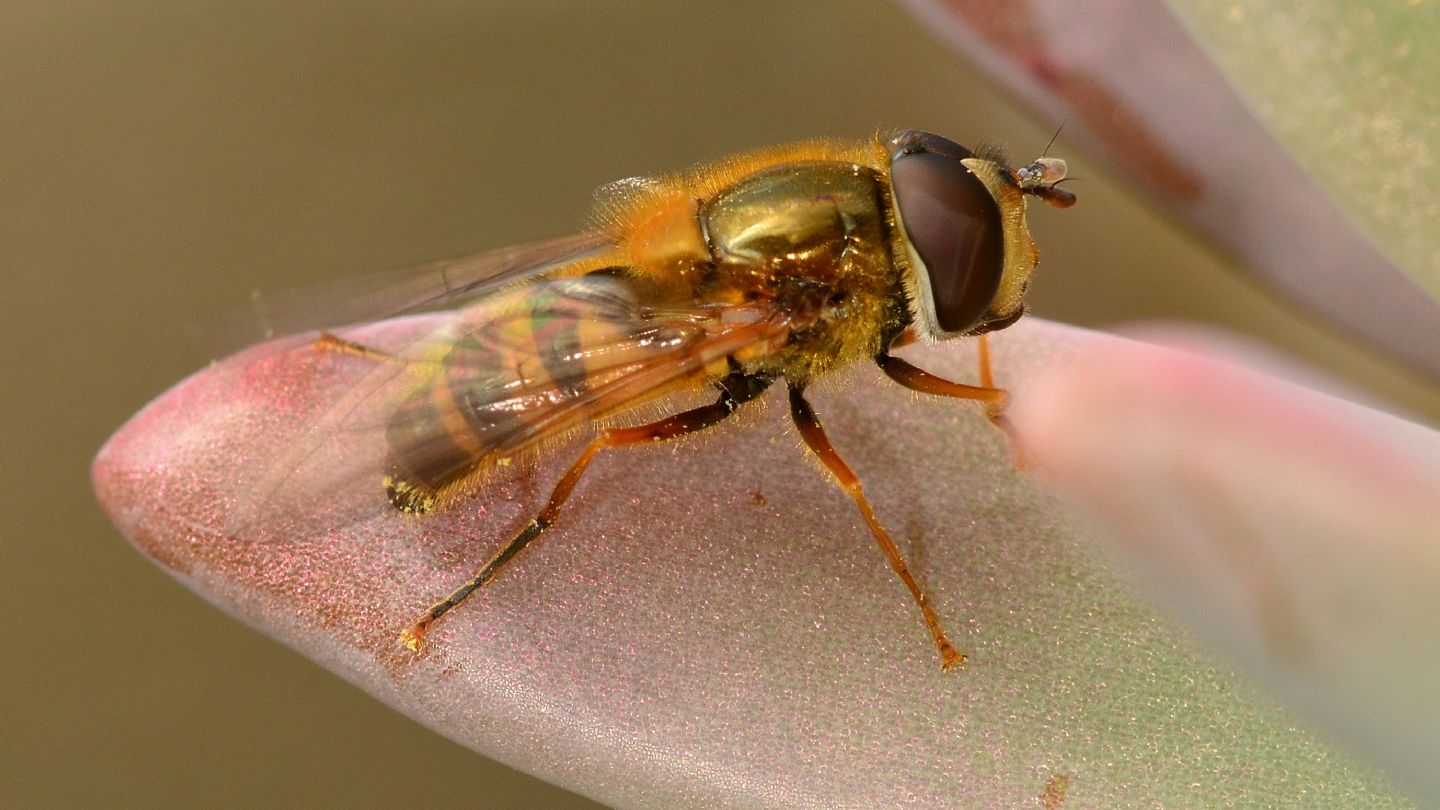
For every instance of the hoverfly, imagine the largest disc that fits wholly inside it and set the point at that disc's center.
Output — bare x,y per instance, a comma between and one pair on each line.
784,264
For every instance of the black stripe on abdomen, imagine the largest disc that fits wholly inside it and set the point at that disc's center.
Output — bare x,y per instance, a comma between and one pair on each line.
425,457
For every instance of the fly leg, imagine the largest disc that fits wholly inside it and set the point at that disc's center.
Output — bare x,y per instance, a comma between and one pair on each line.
735,390
995,399
995,411
982,346
814,435
918,379
328,341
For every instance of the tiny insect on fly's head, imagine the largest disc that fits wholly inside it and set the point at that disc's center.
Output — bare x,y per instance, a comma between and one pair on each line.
967,251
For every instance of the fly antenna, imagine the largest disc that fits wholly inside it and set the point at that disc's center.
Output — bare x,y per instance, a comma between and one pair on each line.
1040,177
1058,130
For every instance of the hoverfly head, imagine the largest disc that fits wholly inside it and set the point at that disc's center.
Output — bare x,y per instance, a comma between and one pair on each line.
961,220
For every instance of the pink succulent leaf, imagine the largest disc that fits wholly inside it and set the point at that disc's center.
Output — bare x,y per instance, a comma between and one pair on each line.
1299,532
710,625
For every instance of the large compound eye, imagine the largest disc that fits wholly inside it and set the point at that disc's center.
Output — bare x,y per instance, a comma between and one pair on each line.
953,225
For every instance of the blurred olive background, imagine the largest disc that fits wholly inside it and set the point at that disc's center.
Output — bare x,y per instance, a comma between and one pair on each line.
160,161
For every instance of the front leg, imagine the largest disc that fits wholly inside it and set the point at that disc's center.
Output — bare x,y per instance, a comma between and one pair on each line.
918,379
995,399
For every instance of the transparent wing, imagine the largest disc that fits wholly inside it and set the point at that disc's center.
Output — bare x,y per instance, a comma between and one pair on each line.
447,283
520,365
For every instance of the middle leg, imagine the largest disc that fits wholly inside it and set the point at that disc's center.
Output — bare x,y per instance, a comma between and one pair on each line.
735,390
814,435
